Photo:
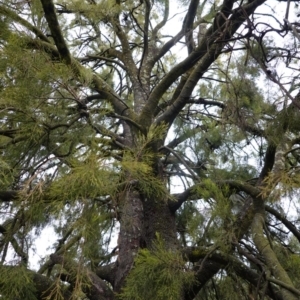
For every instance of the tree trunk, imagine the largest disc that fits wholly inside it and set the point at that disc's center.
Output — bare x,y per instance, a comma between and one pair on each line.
129,241
143,220
159,222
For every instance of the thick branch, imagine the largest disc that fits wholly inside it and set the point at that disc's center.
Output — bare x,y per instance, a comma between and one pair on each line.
268,163
7,196
189,86
11,14
284,221
163,22
207,102
55,30
95,288
45,287
10,238
127,58
270,257
218,259
146,33
188,24
206,53
85,75
192,193
107,272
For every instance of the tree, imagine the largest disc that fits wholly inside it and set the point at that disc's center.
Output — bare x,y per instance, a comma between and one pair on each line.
101,118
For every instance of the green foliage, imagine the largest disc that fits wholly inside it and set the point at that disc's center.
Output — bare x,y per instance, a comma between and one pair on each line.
73,142
94,12
287,187
86,179
289,258
157,274
6,175
231,289
292,265
16,283
208,189
235,170
142,172
139,163
190,221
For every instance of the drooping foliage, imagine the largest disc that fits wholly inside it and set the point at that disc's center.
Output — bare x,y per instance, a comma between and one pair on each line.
158,142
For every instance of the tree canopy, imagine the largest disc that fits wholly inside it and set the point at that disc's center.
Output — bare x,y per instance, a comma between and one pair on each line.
171,124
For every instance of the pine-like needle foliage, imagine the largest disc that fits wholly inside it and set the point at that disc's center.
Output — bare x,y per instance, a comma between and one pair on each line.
149,149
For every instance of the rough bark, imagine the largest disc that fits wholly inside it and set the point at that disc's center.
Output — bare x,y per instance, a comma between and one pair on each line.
130,236
94,287
270,257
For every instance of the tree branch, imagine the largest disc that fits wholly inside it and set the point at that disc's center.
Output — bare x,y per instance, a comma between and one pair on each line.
207,102
217,260
264,247
44,286
163,22
193,174
8,196
55,30
192,193
204,55
95,288
8,237
146,34
107,272
188,25
268,163
284,221
11,14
